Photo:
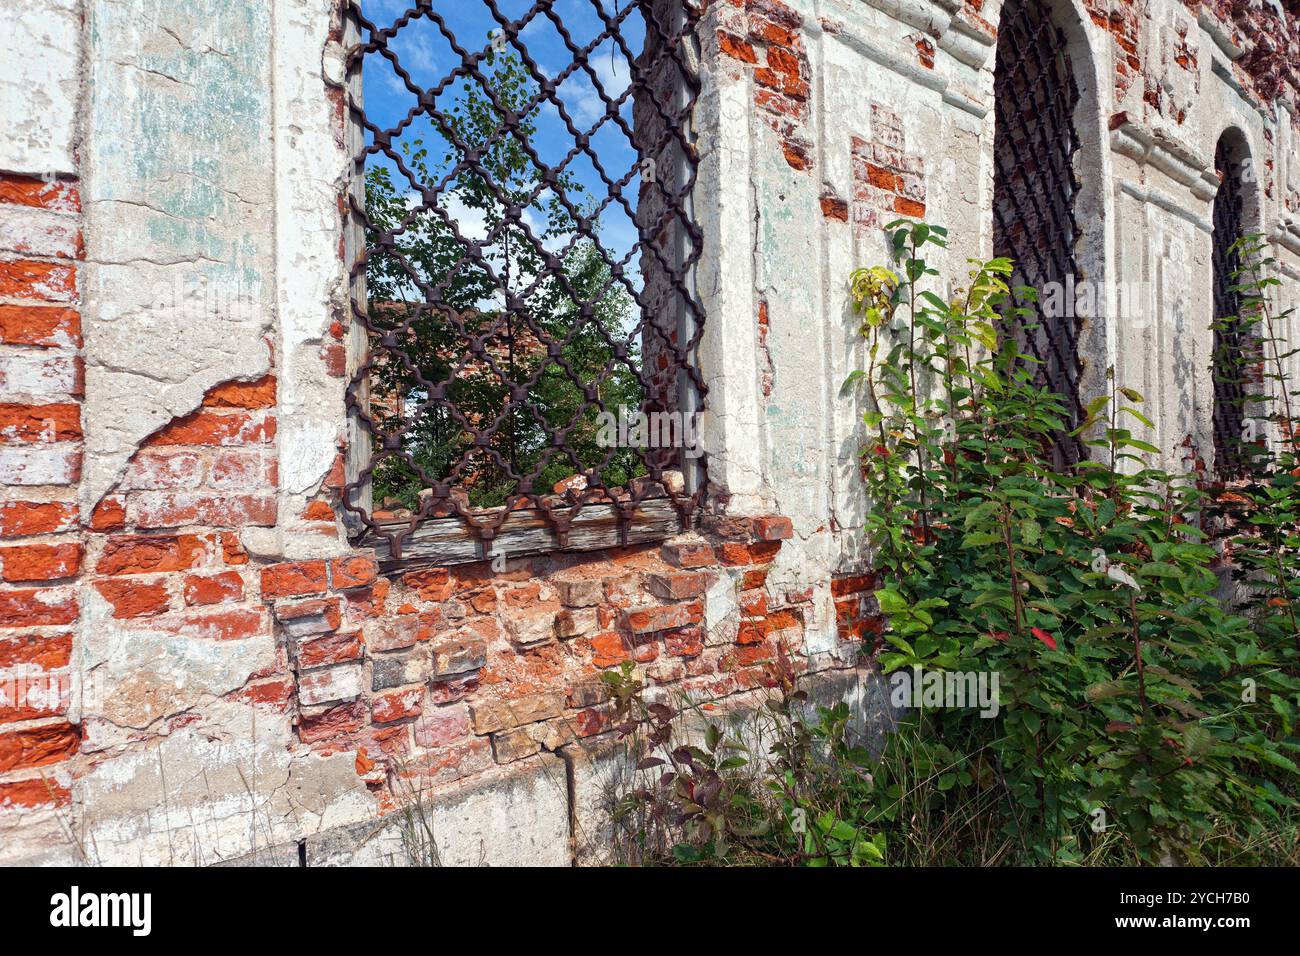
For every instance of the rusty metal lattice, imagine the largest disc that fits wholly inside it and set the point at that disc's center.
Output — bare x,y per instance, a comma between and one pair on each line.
1232,352
504,326
1035,187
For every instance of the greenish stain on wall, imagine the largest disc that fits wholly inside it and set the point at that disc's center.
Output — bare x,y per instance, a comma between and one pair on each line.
181,118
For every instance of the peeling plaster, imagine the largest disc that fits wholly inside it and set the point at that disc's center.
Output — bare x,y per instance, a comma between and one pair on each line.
177,189
39,86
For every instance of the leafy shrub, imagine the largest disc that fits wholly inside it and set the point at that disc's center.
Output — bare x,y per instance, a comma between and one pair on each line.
1140,714
1143,717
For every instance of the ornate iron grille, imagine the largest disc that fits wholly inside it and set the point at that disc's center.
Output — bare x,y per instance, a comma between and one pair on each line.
1034,192
523,270
1232,351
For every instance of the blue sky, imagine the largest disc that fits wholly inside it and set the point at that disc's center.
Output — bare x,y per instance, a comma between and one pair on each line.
427,55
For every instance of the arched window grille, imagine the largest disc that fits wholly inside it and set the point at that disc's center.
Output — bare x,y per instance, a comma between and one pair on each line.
1034,196
1232,352
523,250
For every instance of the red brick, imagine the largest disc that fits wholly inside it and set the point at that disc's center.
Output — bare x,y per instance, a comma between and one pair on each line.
688,642
37,607
38,746
753,578
776,102
231,625
40,562
47,653
784,619
32,423
277,691
21,518
43,325
153,470
594,720
174,509
433,584
314,616
259,394
683,584
150,554
397,705
746,656
442,727
221,588
232,552
483,602
294,579
354,572
783,61
330,649
909,207
753,603
336,722
835,208
367,603
796,155
218,428
40,281
523,597
772,528
608,649
134,598
244,470
688,554
768,32
852,584
318,511
34,696
58,195
109,515
882,178
666,617
736,48
734,554
30,794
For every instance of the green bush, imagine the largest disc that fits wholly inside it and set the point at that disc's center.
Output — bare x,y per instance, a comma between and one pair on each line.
1143,716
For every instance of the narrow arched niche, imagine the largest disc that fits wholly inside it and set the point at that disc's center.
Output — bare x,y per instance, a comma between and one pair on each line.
1049,196
1234,362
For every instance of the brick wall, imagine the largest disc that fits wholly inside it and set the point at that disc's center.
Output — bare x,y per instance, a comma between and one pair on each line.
41,552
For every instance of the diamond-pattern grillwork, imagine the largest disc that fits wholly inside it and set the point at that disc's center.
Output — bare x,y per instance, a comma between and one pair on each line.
1232,352
1034,224
503,318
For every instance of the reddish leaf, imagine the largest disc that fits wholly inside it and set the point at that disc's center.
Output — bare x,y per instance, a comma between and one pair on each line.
1045,637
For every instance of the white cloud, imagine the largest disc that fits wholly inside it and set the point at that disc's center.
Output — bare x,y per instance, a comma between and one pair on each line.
415,52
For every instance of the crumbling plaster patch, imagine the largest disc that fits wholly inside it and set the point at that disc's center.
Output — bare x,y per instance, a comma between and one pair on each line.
39,85
178,190
310,291
219,788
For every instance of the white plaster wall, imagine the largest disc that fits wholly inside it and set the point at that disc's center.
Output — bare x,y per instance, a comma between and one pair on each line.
178,191
310,291
39,86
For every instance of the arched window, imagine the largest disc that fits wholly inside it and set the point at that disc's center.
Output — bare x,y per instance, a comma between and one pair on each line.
1035,192
1232,352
